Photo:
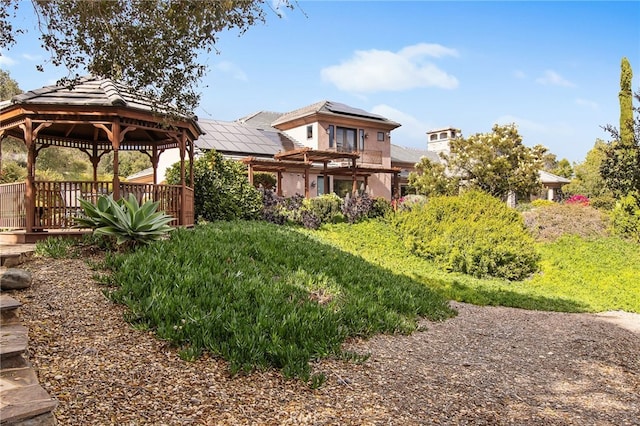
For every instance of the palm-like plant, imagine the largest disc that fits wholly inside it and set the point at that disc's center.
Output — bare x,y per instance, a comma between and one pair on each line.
125,220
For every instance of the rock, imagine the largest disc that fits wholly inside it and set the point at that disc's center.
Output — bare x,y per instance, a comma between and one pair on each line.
15,279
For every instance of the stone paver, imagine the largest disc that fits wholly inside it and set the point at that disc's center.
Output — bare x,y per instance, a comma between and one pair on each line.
23,402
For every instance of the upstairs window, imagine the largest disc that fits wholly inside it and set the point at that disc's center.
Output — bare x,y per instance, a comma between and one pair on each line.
433,137
332,135
309,132
380,136
444,135
345,139
361,140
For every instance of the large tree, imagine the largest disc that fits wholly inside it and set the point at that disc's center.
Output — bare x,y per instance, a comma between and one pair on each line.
496,162
151,45
8,86
551,164
10,147
431,179
620,168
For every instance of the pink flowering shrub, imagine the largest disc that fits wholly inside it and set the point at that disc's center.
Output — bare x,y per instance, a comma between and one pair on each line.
577,199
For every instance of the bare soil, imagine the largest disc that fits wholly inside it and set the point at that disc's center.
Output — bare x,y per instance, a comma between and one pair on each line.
488,365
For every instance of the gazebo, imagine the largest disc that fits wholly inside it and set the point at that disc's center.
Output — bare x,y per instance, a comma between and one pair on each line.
96,116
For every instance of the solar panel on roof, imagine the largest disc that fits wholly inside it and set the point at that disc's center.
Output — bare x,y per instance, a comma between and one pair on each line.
345,109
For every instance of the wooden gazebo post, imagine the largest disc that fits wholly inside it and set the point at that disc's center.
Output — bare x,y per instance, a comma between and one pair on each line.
183,190
31,161
115,143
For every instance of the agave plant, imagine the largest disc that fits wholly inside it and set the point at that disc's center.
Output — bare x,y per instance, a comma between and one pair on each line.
125,220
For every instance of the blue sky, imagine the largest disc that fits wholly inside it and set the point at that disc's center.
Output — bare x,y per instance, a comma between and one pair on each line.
553,68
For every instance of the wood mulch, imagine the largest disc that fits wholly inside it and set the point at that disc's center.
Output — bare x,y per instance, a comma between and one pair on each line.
488,365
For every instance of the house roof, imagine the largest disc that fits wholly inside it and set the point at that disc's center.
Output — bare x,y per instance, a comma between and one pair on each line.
546,177
331,108
401,154
142,173
260,120
233,138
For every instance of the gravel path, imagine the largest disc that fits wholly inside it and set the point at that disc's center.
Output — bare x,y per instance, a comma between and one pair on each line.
488,365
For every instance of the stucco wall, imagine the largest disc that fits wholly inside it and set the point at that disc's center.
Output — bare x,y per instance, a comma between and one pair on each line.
300,135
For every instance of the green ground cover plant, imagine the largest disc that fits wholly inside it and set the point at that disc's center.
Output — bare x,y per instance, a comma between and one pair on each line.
577,274
602,273
262,295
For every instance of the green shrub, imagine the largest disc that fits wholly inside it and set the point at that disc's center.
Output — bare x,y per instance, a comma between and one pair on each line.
549,223
625,217
474,233
221,189
327,208
125,220
380,208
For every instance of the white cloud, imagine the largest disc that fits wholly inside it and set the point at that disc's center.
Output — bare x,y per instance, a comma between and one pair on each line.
6,61
552,78
587,103
382,70
232,69
412,133
32,58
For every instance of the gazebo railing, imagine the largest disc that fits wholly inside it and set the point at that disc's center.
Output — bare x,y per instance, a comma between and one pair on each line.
57,203
13,211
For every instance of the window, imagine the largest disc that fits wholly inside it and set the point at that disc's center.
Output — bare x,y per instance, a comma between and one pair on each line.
331,135
380,136
345,139
444,135
320,185
361,141
309,132
434,137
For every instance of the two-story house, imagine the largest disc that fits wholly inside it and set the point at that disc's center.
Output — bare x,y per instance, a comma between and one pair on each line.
334,127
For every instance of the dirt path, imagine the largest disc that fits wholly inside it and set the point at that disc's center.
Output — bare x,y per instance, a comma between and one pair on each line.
488,365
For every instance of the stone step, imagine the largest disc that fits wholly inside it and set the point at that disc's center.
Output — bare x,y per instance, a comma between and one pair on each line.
8,303
13,341
22,404
12,377
9,310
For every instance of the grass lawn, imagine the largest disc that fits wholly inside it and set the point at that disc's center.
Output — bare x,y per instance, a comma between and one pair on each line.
576,275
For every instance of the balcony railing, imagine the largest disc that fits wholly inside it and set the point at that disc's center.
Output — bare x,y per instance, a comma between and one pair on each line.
57,203
366,157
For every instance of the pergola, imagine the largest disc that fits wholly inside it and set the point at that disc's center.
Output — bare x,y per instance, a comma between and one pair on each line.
97,116
303,159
